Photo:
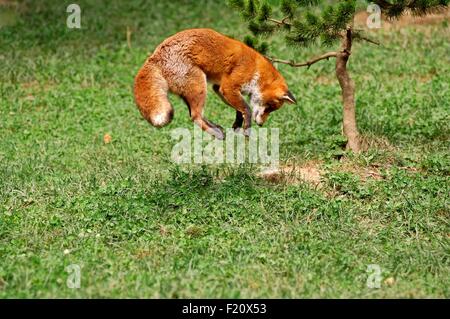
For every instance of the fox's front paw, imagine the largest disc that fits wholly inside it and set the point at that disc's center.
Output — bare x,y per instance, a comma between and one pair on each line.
240,130
237,125
247,132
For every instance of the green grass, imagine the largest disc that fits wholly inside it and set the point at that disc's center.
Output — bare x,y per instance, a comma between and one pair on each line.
141,226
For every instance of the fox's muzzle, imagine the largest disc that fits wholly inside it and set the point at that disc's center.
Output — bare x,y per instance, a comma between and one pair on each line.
258,117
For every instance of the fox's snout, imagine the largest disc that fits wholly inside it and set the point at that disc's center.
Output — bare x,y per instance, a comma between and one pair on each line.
259,116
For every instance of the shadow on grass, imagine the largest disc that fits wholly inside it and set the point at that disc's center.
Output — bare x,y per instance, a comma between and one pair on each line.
203,184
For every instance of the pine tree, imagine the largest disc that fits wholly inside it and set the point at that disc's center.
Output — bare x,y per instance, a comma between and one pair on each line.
308,22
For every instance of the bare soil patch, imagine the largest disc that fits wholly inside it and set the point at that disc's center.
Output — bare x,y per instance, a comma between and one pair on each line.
308,172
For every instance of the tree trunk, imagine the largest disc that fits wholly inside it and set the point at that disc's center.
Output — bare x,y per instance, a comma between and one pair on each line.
348,94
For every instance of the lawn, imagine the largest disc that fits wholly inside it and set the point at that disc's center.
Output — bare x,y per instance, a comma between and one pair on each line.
85,180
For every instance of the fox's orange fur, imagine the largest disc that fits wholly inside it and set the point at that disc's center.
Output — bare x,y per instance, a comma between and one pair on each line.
183,64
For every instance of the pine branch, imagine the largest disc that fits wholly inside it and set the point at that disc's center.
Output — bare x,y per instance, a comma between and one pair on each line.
308,64
280,22
358,35
366,39
394,9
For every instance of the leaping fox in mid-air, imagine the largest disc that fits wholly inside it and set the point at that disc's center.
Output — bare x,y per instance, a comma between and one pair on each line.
183,64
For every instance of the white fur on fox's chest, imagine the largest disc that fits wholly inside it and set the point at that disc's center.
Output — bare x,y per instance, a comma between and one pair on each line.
253,90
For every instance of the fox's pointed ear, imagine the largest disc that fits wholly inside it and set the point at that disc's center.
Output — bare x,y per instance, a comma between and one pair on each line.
288,97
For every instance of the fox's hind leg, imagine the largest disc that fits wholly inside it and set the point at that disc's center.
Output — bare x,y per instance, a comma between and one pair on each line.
194,94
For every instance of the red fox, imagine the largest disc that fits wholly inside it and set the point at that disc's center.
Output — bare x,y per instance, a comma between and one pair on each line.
186,61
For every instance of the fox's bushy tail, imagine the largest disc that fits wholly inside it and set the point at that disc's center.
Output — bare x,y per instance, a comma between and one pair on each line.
150,93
